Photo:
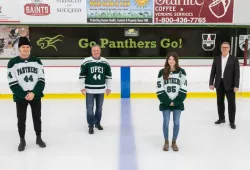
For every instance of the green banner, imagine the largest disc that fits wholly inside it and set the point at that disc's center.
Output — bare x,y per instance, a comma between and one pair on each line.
130,42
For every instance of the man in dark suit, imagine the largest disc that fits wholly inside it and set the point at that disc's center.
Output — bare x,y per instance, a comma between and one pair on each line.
226,72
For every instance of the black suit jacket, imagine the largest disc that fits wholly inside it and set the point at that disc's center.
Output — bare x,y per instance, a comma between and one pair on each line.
231,75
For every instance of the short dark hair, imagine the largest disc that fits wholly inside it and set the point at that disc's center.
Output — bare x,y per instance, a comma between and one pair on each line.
225,42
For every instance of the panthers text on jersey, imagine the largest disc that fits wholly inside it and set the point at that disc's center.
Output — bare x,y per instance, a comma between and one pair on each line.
25,75
174,89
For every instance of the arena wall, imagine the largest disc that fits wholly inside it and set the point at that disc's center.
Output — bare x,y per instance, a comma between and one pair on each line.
129,81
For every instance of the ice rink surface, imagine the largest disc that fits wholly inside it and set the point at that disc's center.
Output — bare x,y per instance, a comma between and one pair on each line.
132,138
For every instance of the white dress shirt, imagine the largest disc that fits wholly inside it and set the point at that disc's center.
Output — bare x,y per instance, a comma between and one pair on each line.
223,64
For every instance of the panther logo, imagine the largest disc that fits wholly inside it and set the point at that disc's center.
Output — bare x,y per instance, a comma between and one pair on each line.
46,42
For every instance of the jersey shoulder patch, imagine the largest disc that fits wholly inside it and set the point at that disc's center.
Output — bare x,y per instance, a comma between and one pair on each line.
183,71
37,60
105,61
12,62
160,73
87,59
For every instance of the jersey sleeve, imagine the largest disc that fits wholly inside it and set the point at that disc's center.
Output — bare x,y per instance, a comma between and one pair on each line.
13,82
40,85
108,76
160,91
82,75
183,90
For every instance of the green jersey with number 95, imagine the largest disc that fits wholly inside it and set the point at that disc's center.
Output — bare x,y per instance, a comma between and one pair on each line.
95,75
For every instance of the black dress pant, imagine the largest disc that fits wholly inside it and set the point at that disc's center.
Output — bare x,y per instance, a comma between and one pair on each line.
21,107
221,92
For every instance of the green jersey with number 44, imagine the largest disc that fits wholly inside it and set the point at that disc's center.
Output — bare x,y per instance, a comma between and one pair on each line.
174,89
25,75
95,75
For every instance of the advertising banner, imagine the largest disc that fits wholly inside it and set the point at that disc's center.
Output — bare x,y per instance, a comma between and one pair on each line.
129,42
9,11
9,38
119,11
53,12
193,11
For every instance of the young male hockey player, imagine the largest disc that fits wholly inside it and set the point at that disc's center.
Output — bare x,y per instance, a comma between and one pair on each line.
94,78
26,81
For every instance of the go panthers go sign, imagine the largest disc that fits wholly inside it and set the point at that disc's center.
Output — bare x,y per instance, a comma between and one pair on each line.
193,11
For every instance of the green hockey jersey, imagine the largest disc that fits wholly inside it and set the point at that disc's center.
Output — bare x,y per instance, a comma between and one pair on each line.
95,75
174,89
25,75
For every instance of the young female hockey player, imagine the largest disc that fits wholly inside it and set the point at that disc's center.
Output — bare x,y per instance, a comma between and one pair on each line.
171,91
26,81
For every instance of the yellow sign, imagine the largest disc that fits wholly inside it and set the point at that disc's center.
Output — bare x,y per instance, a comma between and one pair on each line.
130,43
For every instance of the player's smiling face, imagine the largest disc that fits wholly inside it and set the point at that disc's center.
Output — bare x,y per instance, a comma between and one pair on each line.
171,61
96,52
24,51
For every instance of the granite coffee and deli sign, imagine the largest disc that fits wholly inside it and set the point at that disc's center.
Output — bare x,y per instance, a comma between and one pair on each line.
193,11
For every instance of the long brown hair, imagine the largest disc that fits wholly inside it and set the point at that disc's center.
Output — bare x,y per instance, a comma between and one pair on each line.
166,71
